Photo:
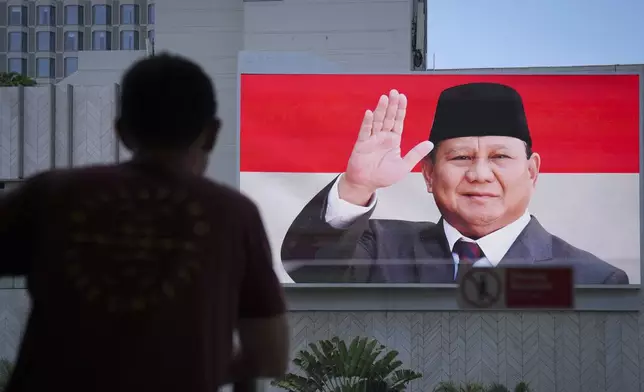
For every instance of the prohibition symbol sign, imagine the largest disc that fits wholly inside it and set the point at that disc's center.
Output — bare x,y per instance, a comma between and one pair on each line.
481,287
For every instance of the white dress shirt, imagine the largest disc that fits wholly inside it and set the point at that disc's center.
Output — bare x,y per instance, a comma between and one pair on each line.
340,214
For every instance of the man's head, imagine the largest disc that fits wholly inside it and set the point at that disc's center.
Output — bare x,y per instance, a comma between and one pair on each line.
482,171
168,110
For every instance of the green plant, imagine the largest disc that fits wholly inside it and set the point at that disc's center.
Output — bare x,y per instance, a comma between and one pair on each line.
449,386
6,367
363,366
446,386
496,387
522,387
473,387
13,79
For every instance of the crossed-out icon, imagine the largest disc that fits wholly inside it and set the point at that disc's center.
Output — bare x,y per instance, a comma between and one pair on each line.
481,287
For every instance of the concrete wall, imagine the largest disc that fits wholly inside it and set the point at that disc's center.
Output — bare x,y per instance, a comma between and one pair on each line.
100,68
364,35
211,33
56,127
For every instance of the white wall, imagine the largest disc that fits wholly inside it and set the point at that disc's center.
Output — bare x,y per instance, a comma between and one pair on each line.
368,35
211,33
101,67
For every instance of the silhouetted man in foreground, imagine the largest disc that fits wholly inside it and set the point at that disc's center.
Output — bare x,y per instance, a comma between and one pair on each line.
140,272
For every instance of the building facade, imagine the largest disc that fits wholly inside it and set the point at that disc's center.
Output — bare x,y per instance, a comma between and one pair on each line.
42,38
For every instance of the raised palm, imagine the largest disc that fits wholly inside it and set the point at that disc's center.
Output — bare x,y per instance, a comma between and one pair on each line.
376,161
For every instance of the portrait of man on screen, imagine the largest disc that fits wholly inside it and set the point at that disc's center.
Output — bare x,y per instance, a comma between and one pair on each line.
481,169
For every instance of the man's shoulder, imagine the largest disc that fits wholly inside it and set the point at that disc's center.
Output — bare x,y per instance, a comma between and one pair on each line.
222,193
562,248
105,177
590,264
74,175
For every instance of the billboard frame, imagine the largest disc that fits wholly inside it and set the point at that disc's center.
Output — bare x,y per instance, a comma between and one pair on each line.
430,297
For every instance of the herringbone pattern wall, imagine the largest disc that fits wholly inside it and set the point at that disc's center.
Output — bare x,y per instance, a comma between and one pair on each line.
56,126
564,351
45,127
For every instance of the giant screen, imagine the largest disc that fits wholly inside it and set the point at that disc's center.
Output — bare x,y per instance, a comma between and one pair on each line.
530,170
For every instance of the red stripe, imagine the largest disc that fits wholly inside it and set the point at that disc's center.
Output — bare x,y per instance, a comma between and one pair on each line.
308,123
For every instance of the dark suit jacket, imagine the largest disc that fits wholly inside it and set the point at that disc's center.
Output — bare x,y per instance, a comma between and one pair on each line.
393,251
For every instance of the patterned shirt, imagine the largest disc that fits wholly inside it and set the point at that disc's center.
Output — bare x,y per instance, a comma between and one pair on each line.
137,277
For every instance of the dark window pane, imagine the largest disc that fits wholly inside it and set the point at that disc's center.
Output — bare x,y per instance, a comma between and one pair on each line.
45,68
129,14
101,14
17,42
129,40
17,65
74,15
71,65
151,15
46,15
151,36
73,41
17,16
45,41
101,40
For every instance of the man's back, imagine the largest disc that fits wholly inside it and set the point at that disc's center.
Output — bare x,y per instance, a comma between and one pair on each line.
136,279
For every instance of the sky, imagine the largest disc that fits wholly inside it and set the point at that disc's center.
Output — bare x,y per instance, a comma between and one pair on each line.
521,33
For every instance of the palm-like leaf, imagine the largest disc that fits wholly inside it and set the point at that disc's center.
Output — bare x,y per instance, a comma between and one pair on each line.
522,387
446,386
449,386
496,387
472,387
6,367
332,366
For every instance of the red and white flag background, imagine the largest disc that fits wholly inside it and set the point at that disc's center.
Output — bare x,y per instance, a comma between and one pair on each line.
297,132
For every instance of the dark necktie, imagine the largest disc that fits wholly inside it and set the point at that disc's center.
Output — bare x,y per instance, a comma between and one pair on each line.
468,253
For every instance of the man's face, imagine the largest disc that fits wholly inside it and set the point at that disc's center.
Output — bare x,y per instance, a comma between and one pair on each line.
481,184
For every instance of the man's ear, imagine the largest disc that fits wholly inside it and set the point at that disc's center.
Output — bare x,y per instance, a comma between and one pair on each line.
122,134
210,135
427,168
534,164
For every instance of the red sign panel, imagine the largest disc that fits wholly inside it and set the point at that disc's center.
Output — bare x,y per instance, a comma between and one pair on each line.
541,288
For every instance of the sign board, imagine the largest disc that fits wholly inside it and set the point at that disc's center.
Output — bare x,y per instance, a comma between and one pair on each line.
517,288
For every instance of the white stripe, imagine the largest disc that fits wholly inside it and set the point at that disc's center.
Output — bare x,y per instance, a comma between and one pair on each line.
595,212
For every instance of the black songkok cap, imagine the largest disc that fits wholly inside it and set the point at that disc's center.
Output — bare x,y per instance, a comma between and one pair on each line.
480,109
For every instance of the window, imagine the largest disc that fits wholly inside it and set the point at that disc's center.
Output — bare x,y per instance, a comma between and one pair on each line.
74,15
151,36
45,41
71,65
151,16
129,14
101,40
46,15
73,41
101,14
129,40
17,16
17,42
17,65
45,67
